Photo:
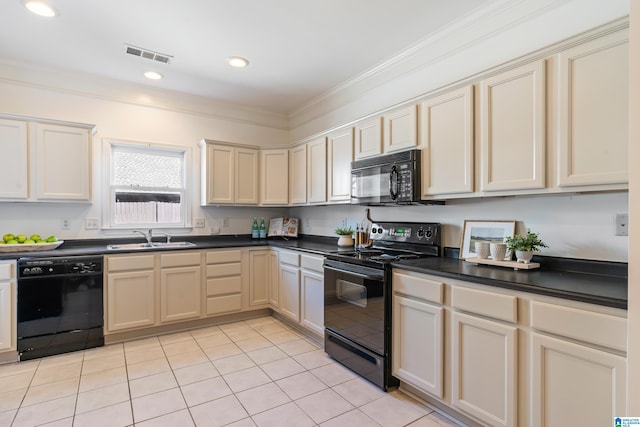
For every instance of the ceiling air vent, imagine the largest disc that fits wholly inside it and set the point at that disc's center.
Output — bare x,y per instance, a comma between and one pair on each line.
146,53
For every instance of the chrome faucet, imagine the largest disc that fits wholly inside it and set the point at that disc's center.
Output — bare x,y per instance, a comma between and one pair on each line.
148,235
168,236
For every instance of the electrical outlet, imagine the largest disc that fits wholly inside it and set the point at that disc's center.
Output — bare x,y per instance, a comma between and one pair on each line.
225,222
622,224
91,224
198,222
65,224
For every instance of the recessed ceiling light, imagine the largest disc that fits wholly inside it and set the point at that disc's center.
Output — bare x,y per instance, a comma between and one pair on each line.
40,8
153,75
237,61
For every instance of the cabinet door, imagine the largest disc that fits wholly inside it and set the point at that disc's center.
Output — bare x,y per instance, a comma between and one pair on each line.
312,301
180,294
593,96
401,129
447,140
274,173
368,138
7,325
259,277
290,292
418,344
298,175
512,129
274,280
14,152
246,176
575,385
63,162
483,365
317,171
219,174
340,155
130,300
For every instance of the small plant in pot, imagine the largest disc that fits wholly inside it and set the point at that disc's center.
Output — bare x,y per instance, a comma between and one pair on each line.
346,234
525,245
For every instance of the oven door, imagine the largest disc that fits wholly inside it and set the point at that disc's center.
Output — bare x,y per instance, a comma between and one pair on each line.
354,304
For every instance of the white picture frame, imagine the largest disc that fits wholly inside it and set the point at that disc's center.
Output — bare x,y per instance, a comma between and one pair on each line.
483,230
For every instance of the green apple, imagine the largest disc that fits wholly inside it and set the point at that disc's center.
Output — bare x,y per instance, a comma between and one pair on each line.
52,239
21,238
2,242
29,242
35,237
8,237
12,242
40,242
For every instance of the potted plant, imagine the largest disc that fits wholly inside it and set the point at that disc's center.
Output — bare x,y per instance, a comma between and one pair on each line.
525,245
346,234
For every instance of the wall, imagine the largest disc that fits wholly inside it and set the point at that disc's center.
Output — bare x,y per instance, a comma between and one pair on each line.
573,226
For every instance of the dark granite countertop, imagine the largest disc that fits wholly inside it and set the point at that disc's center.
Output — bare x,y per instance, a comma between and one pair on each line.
594,282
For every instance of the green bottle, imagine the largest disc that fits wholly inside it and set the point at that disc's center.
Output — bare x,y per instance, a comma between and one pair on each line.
263,229
255,232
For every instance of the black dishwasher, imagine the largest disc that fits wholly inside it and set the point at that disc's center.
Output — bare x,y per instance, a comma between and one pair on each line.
59,305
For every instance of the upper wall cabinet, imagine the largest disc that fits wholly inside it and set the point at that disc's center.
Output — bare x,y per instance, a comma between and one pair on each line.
229,175
401,129
368,138
339,157
512,129
274,177
593,112
317,171
447,143
298,175
45,161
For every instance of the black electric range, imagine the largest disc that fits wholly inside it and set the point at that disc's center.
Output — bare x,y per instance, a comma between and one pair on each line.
357,282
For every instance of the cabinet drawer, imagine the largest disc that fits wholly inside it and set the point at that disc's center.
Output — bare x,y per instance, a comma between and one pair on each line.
180,260
312,263
497,306
219,270
7,271
596,328
223,304
418,287
218,257
222,286
290,258
139,262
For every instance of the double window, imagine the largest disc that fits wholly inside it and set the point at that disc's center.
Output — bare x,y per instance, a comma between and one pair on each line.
147,185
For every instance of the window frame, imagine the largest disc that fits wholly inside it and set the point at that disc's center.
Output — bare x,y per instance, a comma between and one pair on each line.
109,207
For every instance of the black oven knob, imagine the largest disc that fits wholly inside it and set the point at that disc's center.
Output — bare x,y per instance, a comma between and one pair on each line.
380,231
428,233
420,233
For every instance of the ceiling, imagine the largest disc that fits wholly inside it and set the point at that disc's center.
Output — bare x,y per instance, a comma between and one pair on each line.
297,49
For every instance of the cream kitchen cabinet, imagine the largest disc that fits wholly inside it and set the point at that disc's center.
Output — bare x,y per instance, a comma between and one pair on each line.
447,141
418,331
290,285
274,280
592,98
578,374
368,138
512,129
259,275
298,175
312,293
229,174
223,290
46,161
317,171
180,287
400,129
339,158
8,294
131,292
274,177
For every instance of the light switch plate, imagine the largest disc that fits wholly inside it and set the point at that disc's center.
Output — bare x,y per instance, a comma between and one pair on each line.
622,224
91,224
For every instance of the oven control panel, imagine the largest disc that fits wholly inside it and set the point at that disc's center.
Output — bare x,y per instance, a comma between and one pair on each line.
420,233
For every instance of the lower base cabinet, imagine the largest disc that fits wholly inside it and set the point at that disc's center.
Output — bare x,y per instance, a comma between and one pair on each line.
180,288
290,292
224,282
7,306
312,294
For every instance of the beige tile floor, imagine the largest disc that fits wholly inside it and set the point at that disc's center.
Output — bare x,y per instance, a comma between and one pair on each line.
257,372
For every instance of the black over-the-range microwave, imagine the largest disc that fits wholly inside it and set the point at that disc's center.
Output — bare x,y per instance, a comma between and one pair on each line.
392,179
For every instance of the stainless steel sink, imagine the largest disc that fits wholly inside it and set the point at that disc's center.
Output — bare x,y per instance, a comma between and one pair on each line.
154,245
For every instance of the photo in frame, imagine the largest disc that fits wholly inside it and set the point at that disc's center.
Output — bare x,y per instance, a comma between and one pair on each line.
483,231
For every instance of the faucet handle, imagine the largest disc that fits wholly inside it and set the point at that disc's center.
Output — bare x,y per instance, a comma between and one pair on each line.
168,236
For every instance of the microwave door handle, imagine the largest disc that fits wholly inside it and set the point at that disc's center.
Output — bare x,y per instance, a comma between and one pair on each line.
393,183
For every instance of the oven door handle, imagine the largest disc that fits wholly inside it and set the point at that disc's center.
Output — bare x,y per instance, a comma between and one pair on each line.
362,276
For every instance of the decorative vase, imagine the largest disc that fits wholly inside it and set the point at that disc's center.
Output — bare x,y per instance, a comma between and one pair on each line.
345,240
524,256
